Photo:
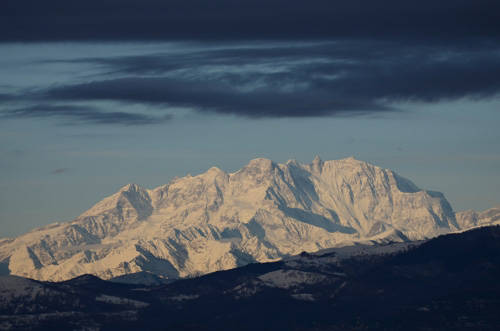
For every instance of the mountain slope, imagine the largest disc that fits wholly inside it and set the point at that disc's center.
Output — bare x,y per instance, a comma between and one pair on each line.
218,220
470,218
445,283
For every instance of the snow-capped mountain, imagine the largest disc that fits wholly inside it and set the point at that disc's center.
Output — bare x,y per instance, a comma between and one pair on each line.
444,283
218,220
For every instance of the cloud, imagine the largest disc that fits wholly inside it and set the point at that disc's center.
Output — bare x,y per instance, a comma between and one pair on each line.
82,114
4,97
28,20
59,171
326,58
265,80
297,80
216,96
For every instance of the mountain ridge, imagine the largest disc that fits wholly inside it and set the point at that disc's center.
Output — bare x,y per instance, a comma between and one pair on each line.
217,220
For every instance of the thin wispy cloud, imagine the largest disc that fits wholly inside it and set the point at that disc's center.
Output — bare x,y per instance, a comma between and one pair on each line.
59,171
82,114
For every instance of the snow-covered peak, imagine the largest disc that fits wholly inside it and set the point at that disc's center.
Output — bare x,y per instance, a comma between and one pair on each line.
260,163
215,170
351,160
256,172
130,197
131,188
317,164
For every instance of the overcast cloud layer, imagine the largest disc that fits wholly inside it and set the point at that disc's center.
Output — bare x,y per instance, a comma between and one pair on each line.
28,20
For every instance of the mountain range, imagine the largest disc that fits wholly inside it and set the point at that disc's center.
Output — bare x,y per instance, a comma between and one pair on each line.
445,283
214,221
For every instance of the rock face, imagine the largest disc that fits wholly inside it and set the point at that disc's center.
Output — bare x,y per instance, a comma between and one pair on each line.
218,220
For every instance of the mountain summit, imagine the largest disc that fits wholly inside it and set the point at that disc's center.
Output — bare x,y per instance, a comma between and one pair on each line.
218,220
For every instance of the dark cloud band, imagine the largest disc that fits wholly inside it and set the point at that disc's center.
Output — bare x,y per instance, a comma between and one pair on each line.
342,78
33,20
267,79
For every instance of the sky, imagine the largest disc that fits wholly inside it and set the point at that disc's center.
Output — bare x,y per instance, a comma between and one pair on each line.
98,94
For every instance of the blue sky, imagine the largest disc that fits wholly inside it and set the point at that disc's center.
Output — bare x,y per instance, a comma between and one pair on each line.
89,104
53,168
